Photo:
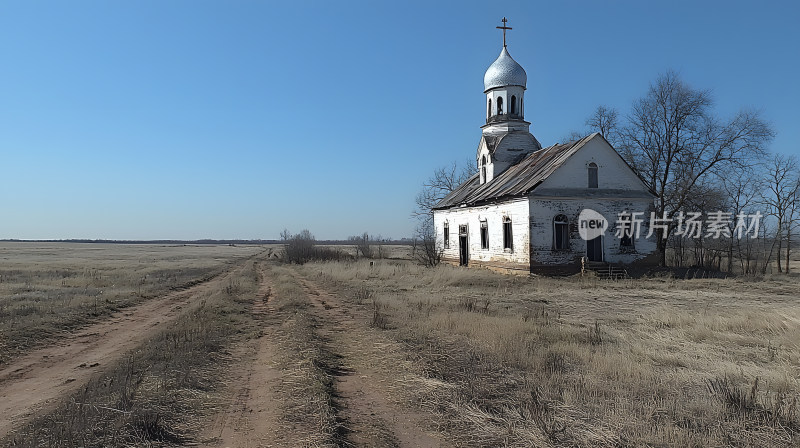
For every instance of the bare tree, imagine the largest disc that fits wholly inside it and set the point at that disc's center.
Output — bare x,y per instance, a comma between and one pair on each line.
443,181
707,252
426,251
792,220
780,197
742,188
298,248
605,121
572,136
674,143
363,245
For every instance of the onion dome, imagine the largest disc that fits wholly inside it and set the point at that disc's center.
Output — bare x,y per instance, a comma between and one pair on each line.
504,71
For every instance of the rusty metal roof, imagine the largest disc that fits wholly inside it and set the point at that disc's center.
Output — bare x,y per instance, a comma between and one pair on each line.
517,180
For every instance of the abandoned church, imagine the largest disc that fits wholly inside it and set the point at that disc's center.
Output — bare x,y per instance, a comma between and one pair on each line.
520,212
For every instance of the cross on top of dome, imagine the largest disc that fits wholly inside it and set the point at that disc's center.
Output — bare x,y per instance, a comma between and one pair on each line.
504,28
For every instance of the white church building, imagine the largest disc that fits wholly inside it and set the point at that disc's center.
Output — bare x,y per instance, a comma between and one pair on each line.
520,212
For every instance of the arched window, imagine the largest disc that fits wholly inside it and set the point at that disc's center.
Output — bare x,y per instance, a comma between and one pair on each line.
508,237
513,108
490,108
484,235
499,105
592,175
560,232
483,169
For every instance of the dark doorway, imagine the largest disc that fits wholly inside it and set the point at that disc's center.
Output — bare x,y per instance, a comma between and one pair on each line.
594,249
463,246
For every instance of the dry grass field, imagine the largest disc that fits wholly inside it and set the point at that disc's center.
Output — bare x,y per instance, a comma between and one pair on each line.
49,288
233,348
506,361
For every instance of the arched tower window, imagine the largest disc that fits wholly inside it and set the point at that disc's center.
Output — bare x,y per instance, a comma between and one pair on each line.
560,232
483,169
513,107
592,175
499,105
490,109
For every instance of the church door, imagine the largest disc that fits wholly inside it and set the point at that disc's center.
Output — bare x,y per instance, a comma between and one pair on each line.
463,246
594,249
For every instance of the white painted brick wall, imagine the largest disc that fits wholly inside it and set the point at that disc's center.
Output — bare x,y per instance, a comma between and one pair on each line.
517,210
543,210
567,193
572,176
612,171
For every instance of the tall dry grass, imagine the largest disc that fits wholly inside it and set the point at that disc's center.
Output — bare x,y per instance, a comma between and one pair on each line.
49,288
509,361
160,392
309,403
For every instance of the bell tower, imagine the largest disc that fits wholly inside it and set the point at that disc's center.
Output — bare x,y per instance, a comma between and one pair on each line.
506,135
504,86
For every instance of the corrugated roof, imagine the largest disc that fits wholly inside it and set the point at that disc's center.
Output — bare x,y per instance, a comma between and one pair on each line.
517,180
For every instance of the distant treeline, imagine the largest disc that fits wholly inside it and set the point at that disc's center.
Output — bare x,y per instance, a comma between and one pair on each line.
204,241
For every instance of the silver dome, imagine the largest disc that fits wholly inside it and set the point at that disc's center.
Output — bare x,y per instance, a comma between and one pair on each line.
504,72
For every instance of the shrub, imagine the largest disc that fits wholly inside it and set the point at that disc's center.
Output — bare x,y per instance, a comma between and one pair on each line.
302,248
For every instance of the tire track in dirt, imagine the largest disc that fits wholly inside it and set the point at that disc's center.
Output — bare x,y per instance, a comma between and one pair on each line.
35,382
250,418
370,417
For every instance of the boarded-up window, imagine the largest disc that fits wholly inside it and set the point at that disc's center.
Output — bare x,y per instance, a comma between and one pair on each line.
592,175
484,235
560,233
508,238
446,235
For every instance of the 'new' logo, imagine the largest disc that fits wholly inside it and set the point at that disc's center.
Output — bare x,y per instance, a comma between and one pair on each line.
591,224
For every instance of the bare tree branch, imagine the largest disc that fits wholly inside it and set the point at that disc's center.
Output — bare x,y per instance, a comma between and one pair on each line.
675,144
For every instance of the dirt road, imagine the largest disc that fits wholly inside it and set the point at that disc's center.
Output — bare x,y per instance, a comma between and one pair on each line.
250,417
255,400
372,418
34,383
365,414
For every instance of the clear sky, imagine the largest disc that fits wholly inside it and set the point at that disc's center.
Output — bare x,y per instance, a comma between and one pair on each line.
235,119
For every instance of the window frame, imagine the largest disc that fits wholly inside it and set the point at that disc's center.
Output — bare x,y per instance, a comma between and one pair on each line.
484,230
626,242
446,232
561,221
594,177
508,234
483,169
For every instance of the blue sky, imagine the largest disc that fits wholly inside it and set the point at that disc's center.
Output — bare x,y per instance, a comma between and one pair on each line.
236,119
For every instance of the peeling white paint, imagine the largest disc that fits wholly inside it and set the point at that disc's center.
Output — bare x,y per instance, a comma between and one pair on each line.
565,191
516,210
